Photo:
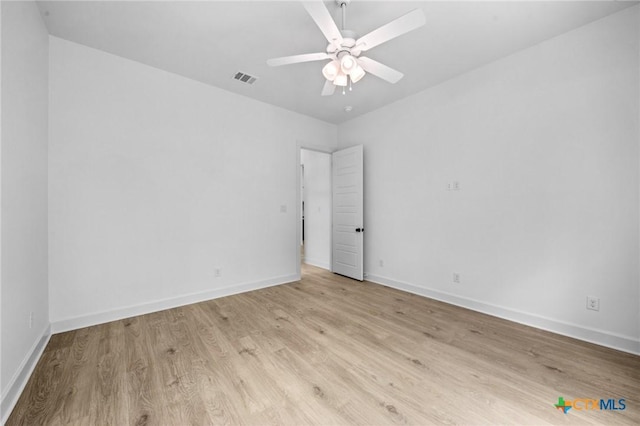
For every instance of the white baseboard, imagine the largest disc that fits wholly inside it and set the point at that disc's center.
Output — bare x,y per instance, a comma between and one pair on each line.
319,264
599,337
19,380
75,323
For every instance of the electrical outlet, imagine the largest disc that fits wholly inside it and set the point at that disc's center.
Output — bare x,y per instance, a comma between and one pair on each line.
381,263
30,319
217,272
283,208
455,186
456,278
593,303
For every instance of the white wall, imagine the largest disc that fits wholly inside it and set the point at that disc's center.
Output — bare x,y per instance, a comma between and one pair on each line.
544,144
317,200
24,195
155,180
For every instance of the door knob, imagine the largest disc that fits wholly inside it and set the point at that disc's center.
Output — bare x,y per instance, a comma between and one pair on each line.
359,229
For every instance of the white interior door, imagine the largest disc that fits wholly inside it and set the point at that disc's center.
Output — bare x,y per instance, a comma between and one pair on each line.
348,226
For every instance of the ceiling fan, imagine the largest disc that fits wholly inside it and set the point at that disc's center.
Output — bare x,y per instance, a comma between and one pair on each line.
346,66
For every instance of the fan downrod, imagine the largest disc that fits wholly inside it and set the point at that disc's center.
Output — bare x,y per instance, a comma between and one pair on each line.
348,37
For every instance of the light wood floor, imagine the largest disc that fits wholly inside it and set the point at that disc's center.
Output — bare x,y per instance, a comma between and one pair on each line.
325,350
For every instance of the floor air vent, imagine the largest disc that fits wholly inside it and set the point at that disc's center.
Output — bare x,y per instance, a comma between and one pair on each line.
245,78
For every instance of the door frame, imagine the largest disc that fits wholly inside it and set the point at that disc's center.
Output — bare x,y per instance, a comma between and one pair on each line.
317,148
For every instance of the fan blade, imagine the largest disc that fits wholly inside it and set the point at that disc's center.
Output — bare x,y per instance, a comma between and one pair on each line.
402,25
328,88
380,70
324,21
307,57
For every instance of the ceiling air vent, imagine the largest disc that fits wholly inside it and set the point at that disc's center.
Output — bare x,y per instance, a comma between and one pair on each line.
245,78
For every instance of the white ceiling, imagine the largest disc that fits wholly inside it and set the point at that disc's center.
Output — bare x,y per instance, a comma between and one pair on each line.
210,41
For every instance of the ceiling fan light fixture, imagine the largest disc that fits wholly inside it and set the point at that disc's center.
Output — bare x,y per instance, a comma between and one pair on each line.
331,70
341,79
357,74
348,64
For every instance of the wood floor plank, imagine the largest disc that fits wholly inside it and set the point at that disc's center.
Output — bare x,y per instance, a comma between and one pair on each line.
34,405
323,350
109,384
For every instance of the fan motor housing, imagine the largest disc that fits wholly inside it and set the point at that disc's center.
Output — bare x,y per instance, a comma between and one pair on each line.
348,38
348,42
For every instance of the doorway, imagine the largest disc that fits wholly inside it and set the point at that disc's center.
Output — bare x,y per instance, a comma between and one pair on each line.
345,253
315,208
